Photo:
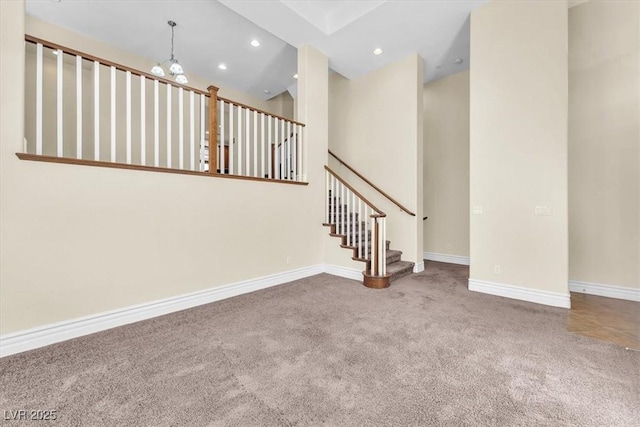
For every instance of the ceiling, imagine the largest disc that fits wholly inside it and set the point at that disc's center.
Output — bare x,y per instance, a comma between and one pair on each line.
211,32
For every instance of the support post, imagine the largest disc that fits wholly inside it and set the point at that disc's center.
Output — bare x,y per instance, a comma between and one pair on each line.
213,129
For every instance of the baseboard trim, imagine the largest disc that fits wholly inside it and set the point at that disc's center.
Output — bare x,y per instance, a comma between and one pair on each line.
451,259
609,291
418,267
347,273
50,334
554,299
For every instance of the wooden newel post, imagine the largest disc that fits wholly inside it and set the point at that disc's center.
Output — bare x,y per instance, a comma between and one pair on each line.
213,129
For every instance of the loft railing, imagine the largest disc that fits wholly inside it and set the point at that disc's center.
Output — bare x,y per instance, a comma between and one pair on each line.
375,187
87,109
361,225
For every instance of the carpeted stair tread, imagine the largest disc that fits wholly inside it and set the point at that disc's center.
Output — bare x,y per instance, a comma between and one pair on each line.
399,269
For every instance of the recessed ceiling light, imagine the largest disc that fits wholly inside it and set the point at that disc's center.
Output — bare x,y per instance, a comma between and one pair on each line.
267,91
222,66
295,76
255,43
457,61
377,51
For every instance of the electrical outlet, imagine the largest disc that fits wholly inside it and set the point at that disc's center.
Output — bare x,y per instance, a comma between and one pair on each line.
477,210
289,259
496,269
543,210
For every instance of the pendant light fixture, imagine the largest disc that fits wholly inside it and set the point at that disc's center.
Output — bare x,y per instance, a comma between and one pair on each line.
175,69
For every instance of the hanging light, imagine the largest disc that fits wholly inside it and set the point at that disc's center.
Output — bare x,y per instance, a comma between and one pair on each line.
175,69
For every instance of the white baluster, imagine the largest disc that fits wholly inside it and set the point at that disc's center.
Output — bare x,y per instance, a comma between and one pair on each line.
255,143
78,107
156,123
240,151
374,258
360,242
346,217
269,141
328,196
384,246
294,157
143,120
180,127
247,136
282,153
192,131
231,139
202,130
113,114
303,154
96,110
366,232
289,150
128,112
39,98
276,168
343,199
222,133
59,108
262,145
169,87
353,219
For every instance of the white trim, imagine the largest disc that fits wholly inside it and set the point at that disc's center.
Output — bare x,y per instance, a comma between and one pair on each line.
49,334
418,267
451,259
555,299
609,291
347,273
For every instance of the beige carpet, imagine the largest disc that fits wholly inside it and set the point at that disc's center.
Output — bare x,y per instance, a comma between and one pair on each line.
327,351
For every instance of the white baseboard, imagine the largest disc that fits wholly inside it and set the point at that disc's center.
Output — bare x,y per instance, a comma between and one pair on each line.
554,299
49,334
347,273
451,259
609,291
418,267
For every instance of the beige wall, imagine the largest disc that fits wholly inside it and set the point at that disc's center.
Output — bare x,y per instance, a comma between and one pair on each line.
375,125
518,144
80,240
604,143
446,165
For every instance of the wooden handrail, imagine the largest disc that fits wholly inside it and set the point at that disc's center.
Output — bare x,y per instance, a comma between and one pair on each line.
257,110
394,201
380,214
108,63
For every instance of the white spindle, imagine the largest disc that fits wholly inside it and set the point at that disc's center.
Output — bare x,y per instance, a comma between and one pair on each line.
289,136
360,228
180,127
384,246
113,114
239,140
231,139
295,153
169,87
342,208
247,135
192,131
143,121
202,132
282,158
353,219
59,110
328,196
269,141
222,134
255,143
78,107
276,168
262,175
96,110
374,241
156,123
347,219
39,98
128,112
366,233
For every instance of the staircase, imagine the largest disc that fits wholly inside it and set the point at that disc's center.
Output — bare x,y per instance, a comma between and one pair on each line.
355,233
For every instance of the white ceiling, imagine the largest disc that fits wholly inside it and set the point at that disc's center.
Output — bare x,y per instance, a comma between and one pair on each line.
210,32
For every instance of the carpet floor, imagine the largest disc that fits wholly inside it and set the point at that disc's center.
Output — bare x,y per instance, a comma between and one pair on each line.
327,351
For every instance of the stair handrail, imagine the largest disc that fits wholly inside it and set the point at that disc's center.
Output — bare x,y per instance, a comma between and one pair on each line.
379,213
359,175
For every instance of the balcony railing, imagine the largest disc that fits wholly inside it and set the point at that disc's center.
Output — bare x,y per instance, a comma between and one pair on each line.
82,107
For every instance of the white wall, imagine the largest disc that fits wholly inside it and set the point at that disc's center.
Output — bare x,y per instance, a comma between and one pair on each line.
518,148
376,127
81,240
446,165
604,143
